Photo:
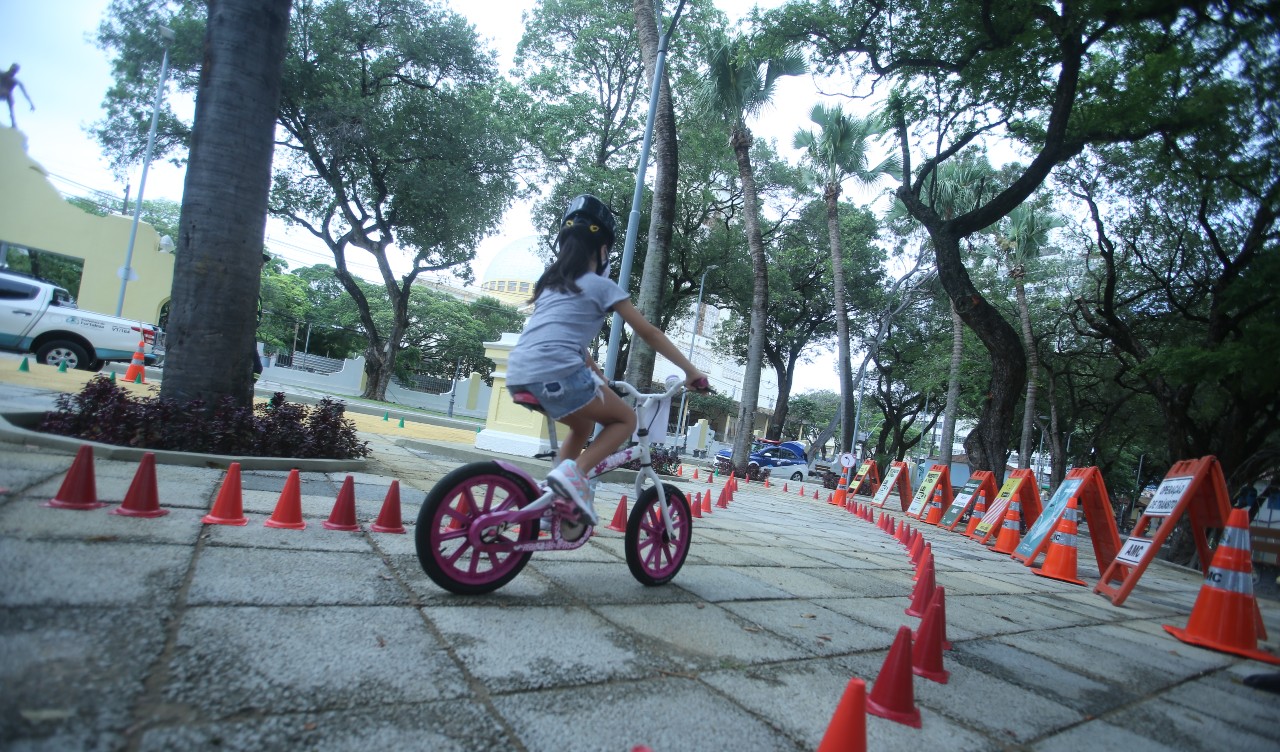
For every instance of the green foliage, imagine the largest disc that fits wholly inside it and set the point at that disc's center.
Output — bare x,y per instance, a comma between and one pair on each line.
104,411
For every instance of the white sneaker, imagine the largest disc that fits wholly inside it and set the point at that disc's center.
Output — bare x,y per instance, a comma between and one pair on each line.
567,481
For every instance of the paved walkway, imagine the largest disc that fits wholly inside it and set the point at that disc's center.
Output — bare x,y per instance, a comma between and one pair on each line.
162,634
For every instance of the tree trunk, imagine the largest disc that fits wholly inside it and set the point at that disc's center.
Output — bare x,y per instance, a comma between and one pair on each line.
216,275
778,421
1028,343
988,443
741,141
666,168
831,196
953,389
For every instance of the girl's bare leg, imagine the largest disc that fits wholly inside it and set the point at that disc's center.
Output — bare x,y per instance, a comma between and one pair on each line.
619,422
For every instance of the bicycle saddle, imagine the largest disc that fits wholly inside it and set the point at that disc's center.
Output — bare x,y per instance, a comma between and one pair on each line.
527,399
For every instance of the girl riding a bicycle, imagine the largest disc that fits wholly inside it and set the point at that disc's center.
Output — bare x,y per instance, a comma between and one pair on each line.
550,360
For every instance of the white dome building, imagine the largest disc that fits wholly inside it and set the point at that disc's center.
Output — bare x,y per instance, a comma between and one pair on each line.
514,271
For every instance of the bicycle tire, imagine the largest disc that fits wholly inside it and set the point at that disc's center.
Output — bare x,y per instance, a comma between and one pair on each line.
653,557
444,520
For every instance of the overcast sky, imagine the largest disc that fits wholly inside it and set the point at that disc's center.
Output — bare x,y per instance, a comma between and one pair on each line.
66,76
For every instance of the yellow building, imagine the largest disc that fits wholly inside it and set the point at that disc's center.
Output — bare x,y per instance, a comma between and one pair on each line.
33,215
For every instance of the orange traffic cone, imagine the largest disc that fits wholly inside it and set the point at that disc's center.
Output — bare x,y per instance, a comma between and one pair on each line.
137,371
923,593
939,602
784,488
766,481
143,498
935,509
619,523
802,489
892,696
927,650
228,509
288,512
1060,562
696,509
679,471
842,491
979,509
389,518
1226,615
706,504
723,500
695,473
343,516
847,731
78,489
1010,531
815,495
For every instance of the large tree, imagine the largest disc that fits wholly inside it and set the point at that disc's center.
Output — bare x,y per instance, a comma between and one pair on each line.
1048,79
739,84
838,151
210,340
397,138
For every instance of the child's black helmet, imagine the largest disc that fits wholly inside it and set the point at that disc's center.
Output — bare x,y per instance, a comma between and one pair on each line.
591,214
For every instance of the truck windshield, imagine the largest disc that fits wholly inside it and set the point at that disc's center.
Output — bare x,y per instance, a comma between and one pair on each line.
63,298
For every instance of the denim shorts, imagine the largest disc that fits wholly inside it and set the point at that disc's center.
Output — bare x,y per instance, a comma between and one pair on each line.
565,395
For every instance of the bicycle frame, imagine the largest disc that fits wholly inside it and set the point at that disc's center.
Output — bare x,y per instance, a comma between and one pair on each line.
504,519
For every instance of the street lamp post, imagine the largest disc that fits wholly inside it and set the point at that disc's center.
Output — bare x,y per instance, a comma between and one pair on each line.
126,271
693,335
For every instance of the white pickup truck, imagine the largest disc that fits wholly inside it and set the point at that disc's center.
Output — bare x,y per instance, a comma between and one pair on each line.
40,317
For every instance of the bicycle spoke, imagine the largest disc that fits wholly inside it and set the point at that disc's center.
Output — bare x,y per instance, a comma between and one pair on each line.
452,559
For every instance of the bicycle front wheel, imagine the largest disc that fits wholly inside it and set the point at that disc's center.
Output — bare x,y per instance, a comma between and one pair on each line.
445,520
653,555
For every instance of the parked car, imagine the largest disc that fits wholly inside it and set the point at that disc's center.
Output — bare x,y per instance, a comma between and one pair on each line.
779,460
39,317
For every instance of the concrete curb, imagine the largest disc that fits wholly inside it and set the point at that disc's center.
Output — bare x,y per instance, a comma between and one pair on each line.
16,427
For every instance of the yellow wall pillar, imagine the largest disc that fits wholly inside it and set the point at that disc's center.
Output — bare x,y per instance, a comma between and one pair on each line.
33,215
510,428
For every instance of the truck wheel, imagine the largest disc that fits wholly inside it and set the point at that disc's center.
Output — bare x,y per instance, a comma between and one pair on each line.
60,351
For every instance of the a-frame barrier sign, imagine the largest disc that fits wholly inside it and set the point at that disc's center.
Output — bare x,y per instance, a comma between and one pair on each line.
867,481
898,479
981,483
1085,484
937,479
1021,484
1193,487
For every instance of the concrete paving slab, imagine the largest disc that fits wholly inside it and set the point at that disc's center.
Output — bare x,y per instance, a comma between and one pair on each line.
38,522
70,676
1071,688
717,584
811,627
438,726
540,647
228,660
1250,710
530,587
1101,735
804,695
80,573
315,537
709,636
668,714
607,583
796,583
271,577
1193,729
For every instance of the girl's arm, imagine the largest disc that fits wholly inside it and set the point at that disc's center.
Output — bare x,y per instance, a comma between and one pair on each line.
657,340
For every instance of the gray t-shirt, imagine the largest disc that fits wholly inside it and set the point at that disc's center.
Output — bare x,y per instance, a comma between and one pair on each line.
554,341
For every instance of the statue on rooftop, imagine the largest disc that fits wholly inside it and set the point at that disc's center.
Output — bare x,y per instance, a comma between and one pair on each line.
9,80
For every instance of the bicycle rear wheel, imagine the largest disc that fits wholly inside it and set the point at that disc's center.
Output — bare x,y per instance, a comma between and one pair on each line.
444,523
653,556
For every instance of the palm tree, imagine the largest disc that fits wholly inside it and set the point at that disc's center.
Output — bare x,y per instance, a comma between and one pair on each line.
739,84
217,270
1022,237
839,152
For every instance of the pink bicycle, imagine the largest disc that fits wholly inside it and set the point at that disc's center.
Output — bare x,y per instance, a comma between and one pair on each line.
480,524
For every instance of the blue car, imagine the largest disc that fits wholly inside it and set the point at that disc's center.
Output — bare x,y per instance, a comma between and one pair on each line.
779,460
